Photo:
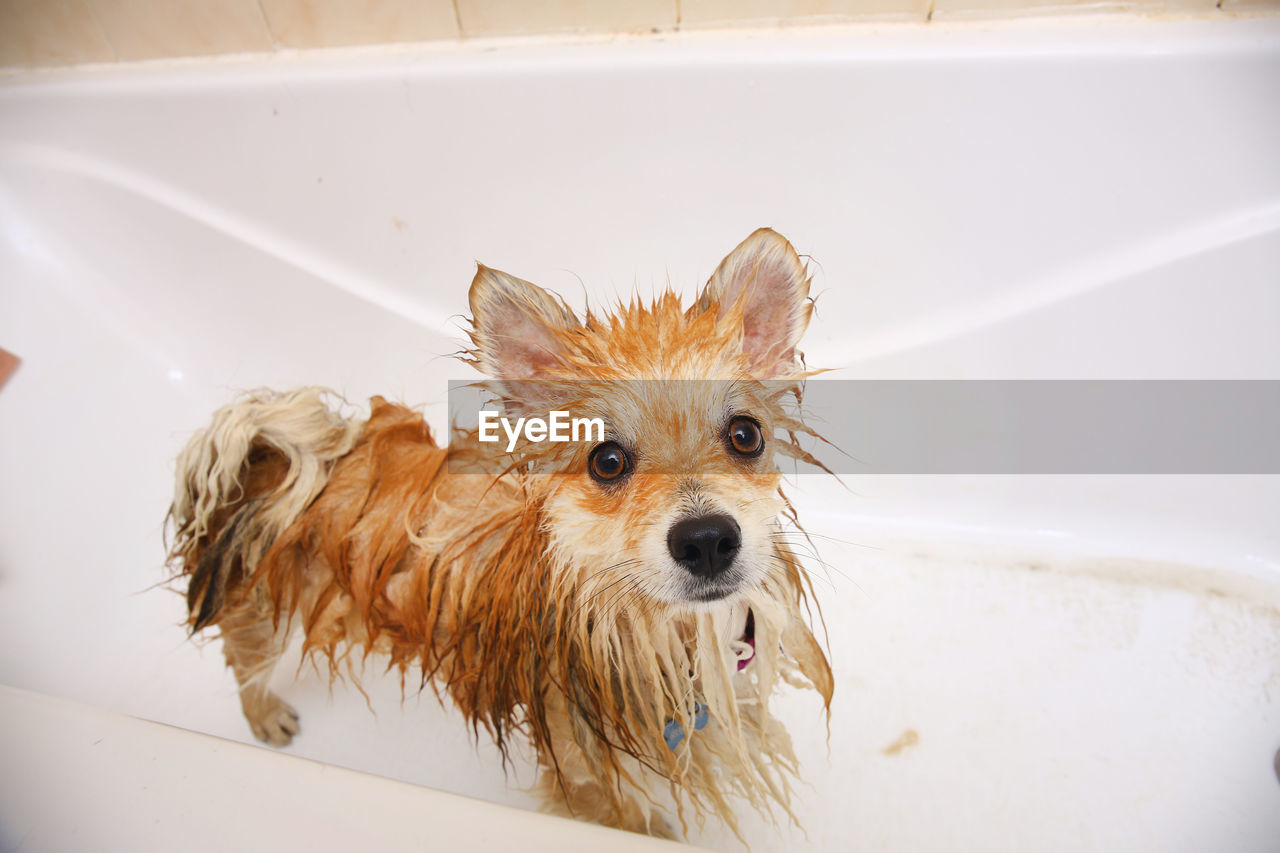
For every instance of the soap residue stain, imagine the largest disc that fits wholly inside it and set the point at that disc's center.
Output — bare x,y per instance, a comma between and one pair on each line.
906,740
1221,625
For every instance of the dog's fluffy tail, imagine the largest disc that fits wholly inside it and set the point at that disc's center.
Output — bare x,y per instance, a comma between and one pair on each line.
243,480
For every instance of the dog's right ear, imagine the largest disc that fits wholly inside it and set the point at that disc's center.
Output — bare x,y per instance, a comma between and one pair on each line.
518,328
764,282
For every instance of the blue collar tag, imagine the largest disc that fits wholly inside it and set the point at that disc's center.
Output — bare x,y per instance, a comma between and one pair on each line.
674,732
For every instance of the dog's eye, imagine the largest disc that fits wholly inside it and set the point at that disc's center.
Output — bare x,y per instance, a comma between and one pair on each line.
608,462
744,436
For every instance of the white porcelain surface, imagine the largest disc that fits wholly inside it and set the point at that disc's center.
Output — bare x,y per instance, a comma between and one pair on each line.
1086,662
77,777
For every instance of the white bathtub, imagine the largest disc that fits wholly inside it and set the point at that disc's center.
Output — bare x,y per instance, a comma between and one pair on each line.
1047,663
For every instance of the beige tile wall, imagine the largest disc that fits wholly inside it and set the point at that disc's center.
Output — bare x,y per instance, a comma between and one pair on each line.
1250,5
721,13
67,32
51,32
329,23
149,29
514,17
968,9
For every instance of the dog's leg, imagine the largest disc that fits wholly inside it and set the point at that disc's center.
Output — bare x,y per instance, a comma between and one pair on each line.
588,801
568,788
252,646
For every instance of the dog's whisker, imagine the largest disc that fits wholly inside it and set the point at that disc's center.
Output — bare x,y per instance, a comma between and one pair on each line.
807,535
609,575
800,547
607,610
627,581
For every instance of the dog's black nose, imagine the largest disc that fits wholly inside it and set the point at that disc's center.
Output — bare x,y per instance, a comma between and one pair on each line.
706,545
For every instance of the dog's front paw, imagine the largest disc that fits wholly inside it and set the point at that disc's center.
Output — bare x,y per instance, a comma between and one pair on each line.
272,719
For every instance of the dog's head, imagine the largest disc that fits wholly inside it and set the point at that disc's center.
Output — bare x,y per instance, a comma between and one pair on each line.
677,502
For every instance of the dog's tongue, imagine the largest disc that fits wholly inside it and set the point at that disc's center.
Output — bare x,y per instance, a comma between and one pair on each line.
745,647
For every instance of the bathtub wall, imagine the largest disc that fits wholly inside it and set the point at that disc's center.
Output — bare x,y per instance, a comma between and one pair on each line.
68,32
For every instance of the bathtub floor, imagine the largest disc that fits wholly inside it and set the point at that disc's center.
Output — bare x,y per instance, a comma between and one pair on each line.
993,698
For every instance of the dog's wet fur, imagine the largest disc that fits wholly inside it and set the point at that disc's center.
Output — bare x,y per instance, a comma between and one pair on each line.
586,598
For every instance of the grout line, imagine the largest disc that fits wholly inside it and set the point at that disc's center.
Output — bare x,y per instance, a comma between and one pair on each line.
457,16
106,36
266,24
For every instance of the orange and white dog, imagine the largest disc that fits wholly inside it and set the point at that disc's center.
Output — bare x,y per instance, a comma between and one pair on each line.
627,604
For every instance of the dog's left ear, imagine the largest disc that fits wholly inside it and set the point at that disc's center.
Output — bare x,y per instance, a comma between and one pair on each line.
765,279
517,326
519,331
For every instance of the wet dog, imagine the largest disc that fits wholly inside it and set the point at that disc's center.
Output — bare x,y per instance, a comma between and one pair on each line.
627,603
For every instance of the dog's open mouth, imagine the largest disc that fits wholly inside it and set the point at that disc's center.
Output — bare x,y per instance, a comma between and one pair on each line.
744,648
